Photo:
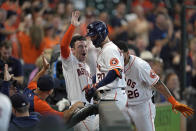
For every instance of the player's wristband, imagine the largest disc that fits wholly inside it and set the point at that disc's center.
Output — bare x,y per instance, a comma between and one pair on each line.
172,100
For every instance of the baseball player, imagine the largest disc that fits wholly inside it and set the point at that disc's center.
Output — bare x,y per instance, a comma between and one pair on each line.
139,79
75,70
110,65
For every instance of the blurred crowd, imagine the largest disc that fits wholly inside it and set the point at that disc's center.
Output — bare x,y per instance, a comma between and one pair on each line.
29,29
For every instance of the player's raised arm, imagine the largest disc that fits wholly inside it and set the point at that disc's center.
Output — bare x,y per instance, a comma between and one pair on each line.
46,65
184,109
65,42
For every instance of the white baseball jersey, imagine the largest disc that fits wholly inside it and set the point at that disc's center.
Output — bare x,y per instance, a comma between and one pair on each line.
110,58
77,76
139,77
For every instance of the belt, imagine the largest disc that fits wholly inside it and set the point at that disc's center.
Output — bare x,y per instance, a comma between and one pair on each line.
103,91
107,90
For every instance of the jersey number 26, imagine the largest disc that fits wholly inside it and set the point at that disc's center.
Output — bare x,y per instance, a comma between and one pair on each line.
132,94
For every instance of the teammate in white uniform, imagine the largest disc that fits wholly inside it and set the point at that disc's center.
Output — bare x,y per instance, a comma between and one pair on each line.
75,70
110,66
140,78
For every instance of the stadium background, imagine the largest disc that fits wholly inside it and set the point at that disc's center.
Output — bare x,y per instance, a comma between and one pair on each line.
175,44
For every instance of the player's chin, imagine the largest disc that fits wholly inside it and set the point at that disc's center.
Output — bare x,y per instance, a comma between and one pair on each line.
82,58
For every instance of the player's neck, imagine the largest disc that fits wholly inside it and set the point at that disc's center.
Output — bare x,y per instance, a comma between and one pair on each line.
105,41
127,60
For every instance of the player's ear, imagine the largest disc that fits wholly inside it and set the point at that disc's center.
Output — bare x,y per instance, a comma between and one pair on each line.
73,51
128,52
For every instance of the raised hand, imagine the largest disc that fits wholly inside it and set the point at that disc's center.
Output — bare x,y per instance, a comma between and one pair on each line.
7,76
74,18
46,65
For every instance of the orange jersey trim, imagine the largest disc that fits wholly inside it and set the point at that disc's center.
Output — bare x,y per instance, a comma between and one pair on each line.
65,50
32,85
131,64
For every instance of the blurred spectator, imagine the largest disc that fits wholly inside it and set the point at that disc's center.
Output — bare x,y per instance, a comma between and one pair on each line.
22,119
39,64
32,45
3,31
15,66
147,56
90,16
170,53
173,84
11,5
10,26
50,38
141,27
59,26
119,23
176,17
141,43
8,86
64,9
147,5
39,89
39,8
104,16
5,111
161,34
192,56
157,66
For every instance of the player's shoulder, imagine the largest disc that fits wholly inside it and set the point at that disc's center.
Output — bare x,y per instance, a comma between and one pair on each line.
109,46
140,63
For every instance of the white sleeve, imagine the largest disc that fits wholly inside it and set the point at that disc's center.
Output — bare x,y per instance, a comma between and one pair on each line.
68,62
113,59
147,74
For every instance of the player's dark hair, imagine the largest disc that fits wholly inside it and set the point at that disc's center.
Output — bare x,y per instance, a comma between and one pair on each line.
76,38
22,109
133,47
122,45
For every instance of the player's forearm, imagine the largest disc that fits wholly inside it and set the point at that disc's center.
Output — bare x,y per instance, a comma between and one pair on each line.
65,51
68,113
39,74
161,87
